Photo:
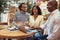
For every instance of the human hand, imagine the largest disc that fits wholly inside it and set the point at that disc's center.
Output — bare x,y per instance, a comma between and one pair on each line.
20,23
31,28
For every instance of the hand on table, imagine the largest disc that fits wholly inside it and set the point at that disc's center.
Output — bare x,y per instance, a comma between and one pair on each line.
31,28
20,23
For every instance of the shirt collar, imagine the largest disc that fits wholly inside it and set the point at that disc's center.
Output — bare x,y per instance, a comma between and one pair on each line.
54,11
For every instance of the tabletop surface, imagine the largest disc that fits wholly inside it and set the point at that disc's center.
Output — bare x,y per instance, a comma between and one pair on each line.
4,33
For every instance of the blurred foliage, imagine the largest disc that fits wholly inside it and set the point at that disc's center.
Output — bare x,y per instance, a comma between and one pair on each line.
3,5
29,7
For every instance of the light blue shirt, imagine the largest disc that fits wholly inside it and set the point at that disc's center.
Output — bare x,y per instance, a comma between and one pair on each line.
20,17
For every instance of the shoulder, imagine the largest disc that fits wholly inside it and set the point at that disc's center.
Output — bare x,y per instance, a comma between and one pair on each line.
57,15
17,13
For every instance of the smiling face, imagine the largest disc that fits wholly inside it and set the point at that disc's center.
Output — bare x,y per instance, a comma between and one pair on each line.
35,10
51,6
24,8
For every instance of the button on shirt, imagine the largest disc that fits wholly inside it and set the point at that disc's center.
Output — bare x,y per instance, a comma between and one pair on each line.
52,25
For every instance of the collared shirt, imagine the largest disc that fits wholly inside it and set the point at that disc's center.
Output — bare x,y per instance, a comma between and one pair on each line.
52,25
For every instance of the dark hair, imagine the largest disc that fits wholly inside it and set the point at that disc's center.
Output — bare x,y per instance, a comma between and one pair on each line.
21,5
39,10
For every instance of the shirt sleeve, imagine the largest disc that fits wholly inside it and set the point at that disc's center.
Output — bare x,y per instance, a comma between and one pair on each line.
43,26
56,30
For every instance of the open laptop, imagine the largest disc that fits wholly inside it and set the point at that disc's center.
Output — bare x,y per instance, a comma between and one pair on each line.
26,29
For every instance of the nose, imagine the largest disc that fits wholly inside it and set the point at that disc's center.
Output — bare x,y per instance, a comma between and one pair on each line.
48,6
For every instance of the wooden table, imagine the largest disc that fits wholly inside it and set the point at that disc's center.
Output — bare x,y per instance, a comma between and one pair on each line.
4,33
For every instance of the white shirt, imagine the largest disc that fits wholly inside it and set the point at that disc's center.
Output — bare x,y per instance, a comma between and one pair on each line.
52,25
35,22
